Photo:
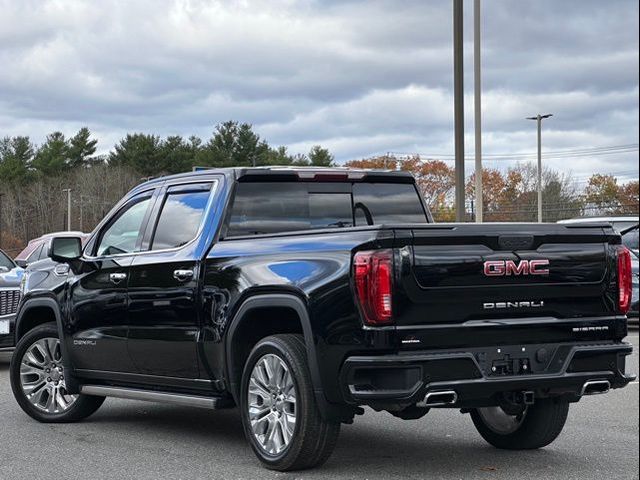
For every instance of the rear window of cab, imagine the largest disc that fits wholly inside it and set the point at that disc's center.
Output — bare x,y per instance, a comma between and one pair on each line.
275,207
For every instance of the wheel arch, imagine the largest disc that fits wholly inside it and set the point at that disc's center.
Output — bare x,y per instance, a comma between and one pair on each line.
245,316
26,321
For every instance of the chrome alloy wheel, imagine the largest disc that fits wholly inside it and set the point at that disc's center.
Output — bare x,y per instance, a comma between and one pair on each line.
501,422
42,377
272,404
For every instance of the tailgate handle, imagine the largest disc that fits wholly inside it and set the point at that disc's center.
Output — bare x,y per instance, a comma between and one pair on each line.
515,242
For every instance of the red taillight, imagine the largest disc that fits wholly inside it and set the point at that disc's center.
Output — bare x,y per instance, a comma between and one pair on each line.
624,279
373,271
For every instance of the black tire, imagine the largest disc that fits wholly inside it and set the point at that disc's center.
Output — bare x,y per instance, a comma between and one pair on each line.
313,438
541,425
83,406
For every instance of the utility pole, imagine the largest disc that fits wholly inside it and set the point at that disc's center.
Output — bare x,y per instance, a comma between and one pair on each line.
477,91
458,107
81,213
68,190
538,118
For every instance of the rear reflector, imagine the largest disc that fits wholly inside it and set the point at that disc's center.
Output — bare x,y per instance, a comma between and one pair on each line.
624,279
373,271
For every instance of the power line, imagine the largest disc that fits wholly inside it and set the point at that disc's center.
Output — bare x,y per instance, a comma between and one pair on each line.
514,157
587,179
532,154
577,152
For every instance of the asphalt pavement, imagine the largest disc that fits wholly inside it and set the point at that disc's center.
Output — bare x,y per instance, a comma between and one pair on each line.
137,440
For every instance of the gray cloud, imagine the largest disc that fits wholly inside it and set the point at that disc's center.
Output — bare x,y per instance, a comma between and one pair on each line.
359,77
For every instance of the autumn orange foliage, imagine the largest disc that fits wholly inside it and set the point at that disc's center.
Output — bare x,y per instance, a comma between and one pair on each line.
511,195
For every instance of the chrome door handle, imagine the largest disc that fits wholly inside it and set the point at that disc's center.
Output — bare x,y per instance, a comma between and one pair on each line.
117,277
183,275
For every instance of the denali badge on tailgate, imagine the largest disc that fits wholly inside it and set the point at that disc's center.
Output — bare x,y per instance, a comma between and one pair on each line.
514,304
500,268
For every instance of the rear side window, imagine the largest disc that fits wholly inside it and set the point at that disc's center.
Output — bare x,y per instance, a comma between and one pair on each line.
43,252
36,254
328,210
181,215
28,250
262,208
385,203
268,208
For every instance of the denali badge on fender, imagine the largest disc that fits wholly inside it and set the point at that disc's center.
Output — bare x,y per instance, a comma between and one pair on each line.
500,268
500,305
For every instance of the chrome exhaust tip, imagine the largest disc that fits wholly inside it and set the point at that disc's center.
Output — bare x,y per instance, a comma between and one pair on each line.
595,387
439,399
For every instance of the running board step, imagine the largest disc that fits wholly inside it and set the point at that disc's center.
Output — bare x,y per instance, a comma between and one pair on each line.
160,397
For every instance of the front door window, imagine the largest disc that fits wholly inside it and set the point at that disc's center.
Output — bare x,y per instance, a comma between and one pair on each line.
121,236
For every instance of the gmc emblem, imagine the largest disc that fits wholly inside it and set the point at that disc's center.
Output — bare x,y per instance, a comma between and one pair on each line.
500,268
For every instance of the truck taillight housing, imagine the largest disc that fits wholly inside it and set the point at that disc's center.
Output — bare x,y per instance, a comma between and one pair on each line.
624,279
373,276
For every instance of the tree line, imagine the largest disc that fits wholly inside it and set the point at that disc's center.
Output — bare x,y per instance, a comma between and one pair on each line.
32,176
32,179
232,144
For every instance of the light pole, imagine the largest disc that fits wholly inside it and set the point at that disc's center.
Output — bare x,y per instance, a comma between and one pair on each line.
81,199
68,190
458,107
477,91
538,118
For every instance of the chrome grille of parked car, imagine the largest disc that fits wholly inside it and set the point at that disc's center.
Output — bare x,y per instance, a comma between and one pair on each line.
9,300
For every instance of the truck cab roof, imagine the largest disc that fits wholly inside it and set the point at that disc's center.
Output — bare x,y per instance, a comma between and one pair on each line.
291,173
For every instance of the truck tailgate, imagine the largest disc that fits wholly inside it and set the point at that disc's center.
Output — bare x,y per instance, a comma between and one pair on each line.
466,278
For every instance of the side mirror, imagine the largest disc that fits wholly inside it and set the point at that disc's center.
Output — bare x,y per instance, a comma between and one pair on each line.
21,263
65,249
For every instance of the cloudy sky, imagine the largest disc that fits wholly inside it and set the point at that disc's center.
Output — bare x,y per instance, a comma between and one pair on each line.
361,78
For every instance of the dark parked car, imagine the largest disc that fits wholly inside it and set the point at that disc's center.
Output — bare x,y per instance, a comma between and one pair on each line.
302,295
619,223
10,277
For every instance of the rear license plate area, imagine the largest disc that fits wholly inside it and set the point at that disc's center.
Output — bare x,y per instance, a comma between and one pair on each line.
505,361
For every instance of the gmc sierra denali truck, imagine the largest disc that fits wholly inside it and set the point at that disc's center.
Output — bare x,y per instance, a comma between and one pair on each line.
302,295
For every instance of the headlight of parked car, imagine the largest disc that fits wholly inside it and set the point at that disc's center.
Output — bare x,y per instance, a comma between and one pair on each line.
23,283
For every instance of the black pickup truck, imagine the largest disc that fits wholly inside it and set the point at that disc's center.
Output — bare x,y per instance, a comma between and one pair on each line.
302,295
